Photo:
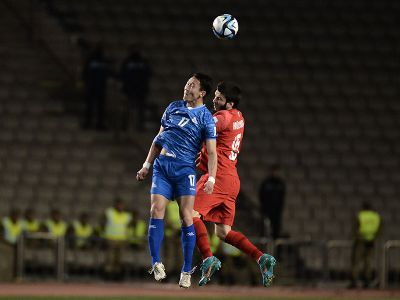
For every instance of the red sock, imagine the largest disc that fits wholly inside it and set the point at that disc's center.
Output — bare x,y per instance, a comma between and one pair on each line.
241,242
202,241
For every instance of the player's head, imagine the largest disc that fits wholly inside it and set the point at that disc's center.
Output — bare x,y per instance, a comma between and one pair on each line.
197,88
366,206
227,96
84,218
14,214
119,204
275,170
55,214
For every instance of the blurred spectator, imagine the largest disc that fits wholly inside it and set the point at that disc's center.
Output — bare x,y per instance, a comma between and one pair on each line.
12,227
137,231
30,223
56,226
135,75
81,232
368,223
96,71
272,200
117,222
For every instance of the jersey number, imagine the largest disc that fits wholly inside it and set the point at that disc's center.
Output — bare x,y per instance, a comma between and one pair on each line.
192,179
235,147
183,121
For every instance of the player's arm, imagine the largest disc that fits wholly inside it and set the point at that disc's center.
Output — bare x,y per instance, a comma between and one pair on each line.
211,146
154,151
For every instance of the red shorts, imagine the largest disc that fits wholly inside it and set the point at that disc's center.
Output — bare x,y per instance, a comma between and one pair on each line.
219,207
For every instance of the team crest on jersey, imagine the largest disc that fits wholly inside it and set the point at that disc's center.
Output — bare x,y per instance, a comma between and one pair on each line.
194,120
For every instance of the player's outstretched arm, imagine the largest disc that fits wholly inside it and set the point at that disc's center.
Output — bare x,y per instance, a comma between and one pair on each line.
154,151
212,165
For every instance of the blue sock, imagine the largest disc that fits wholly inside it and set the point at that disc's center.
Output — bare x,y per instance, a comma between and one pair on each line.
188,237
155,235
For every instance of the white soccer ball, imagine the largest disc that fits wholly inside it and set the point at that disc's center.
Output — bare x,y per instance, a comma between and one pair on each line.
225,27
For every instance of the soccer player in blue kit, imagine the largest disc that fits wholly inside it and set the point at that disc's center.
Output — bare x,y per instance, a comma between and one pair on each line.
185,125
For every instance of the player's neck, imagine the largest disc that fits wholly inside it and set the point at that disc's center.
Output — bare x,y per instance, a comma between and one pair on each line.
195,103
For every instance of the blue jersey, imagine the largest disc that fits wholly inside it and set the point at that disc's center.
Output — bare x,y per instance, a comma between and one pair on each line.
185,130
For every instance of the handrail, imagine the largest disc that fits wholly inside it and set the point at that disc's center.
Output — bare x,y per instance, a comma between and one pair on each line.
330,244
339,243
59,252
385,263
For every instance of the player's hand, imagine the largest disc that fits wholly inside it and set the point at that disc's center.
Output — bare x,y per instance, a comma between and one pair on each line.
141,174
209,187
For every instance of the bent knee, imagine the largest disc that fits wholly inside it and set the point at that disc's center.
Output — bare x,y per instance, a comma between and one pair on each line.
196,214
157,212
222,231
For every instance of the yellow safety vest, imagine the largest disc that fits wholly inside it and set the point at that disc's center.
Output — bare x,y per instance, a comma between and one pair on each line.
369,224
214,243
31,226
56,229
12,230
230,250
137,232
81,232
173,218
117,225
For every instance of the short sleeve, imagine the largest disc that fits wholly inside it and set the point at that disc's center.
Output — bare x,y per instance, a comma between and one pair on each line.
165,115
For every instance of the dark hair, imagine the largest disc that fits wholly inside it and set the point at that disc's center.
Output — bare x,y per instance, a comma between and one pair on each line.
366,205
205,83
275,167
231,92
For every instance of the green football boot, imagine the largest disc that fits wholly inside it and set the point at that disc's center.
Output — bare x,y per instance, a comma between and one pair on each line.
267,263
208,268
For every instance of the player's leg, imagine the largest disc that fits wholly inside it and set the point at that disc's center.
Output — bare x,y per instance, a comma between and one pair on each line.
156,234
188,238
203,203
202,241
210,263
161,192
238,240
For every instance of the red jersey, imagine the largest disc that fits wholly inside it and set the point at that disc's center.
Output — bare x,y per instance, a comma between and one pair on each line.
230,129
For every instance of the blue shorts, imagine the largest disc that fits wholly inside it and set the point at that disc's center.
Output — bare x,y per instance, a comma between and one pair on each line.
172,179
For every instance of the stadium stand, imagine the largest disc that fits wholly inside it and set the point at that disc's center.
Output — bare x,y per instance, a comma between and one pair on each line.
320,83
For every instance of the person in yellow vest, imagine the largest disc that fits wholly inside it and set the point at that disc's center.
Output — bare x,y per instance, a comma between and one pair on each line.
12,227
367,229
10,231
81,232
30,223
117,222
56,226
137,231
215,243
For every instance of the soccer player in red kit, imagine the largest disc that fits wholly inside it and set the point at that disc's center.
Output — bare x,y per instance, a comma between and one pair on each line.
219,207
